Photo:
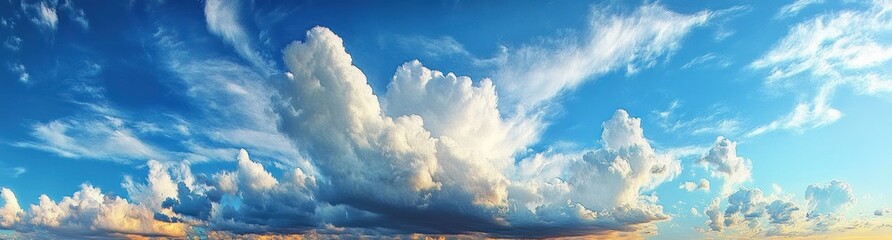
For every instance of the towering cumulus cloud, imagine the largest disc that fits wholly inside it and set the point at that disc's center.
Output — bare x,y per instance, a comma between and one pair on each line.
722,161
594,191
440,146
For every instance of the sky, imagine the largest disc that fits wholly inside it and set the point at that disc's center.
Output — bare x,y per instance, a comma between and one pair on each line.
238,119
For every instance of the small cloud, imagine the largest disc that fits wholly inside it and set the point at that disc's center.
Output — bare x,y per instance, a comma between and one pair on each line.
722,161
792,9
75,14
43,14
13,43
691,186
833,199
13,172
706,60
19,69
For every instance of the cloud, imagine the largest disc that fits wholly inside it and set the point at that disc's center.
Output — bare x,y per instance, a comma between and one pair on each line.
781,211
718,120
709,59
691,186
438,145
160,187
833,199
557,189
842,48
251,200
88,212
442,47
723,162
19,69
239,105
13,43
336,112
792,9
262,204
806,115
76,14
97,137
534,74
456,107
751,214
46,16
11,212
745,205
222,18
12,172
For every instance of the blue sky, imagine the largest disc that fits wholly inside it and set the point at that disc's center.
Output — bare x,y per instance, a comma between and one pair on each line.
627,119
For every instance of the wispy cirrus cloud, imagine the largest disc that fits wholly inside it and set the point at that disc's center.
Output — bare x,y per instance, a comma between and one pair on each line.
98,137
845,48
12,172
708,59
534,74
793,8
223,20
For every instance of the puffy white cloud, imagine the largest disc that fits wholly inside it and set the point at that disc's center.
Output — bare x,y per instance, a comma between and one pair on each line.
833,199
782,211
259,204
439,145
691,186
251,200
745,205
716,221
751,214
598,188
11,212
89,212
722,161
160,186
531,75
339,121
456,107
250,176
